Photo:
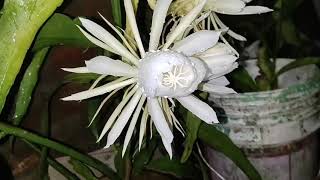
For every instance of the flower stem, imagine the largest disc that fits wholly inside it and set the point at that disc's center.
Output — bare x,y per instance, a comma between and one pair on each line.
32,137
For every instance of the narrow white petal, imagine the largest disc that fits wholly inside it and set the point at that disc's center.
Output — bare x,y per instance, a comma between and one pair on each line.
158,19
97,41
167,146
221,81
116,112
207,87
124,40
197,42
108,66
184,23
253,10
98,91
101,105
159,120
199,108
132,124
226,6
108,38
95,83
143,125
177,124
77,70
123,119
133,24
230,32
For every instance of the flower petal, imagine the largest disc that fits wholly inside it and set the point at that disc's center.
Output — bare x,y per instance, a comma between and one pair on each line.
143,125
184,23
218,49
77,70
199,108
133,24
158,19
99,90
123,119
219,64
159,120
132,124
197,42
124,40
116,112
108,38
230,32
253,10
167,146
108,66
97,41
221,81
225,6
212,88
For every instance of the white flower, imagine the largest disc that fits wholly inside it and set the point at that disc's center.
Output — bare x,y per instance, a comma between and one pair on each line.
152,79
209,16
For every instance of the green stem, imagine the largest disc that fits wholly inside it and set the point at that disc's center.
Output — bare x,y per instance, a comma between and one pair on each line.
15,131
55,164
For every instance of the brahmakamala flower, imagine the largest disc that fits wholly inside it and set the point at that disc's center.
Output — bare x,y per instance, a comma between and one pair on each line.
209,16
154,79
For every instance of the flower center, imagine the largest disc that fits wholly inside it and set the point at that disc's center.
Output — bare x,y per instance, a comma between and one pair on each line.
177,77
168,74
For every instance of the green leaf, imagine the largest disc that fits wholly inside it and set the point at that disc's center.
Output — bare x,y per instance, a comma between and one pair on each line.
19,25
116,12
221,142
193,124
61,30
123,164
27,86
174,167
290,33
298,63
241,80
142,158
82,169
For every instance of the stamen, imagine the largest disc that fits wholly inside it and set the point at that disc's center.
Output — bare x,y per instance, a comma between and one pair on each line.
177,77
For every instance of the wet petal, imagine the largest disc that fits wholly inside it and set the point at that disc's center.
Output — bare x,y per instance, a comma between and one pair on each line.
197,42
184,23
108,66
159,120
123,119
199,108
158,19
